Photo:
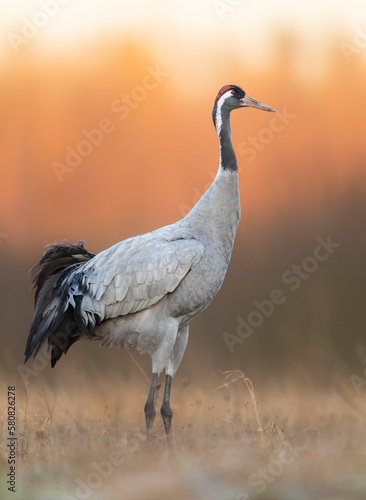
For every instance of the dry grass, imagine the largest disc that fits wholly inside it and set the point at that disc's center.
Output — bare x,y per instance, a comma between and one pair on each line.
230,444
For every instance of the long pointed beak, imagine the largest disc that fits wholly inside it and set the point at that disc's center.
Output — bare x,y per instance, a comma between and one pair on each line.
249,102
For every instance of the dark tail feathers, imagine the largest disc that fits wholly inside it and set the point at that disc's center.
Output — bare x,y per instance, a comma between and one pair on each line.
56,326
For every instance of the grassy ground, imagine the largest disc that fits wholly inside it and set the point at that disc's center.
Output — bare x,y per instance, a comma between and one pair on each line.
229,444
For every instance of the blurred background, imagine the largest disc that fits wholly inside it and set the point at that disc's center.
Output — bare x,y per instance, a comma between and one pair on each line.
106,132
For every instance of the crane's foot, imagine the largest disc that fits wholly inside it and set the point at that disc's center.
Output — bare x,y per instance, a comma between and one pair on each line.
167,415
150,407
149,417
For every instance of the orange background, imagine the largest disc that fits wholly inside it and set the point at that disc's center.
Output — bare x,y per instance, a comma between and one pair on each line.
308,181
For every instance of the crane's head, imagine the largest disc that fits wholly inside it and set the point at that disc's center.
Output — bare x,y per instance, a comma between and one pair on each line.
232,97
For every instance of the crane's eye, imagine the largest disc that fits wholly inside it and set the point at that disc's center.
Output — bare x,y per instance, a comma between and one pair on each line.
233,92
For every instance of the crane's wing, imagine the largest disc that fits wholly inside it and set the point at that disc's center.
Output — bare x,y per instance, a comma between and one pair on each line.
128,277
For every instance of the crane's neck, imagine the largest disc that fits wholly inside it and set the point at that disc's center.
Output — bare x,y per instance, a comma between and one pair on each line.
216,214
221,118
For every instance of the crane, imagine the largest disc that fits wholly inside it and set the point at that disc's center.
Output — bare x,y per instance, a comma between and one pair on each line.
144,291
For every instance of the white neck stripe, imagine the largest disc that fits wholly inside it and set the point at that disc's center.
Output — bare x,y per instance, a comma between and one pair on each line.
219,105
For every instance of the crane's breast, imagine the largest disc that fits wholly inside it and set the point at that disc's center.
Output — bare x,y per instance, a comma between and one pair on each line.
199,286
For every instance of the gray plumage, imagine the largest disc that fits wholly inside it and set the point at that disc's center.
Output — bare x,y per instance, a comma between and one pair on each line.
144,291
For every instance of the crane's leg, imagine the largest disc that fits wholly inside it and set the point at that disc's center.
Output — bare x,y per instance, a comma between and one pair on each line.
166,411
149,406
